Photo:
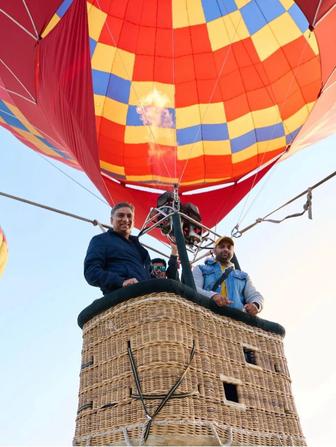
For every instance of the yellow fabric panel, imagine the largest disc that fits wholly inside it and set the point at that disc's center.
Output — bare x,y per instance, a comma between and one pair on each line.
96,19
188,116
99,104
115,169
295,121
115,111
195,12
287,3
285,29
245,154
266,117
240,126
217,147
3,257
38,143
152,178
150,134
103,57
261,147
311,39
241,3
264,42
271,145
212,113
17,113
187,13
226,30
207,180
194,150
141,91
51,25
123,64
171,180
113,60
188,151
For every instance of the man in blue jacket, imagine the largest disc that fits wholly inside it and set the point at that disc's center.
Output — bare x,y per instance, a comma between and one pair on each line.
116,259
218,280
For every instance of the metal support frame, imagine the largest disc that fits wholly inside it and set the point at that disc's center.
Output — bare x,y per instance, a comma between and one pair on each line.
157,216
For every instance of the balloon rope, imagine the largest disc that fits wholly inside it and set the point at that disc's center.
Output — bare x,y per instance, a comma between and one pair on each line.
141,106
246,209
71,178
316,13
307,207
94,222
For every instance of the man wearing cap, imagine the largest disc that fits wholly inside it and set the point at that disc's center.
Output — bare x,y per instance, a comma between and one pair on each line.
218,280
116,259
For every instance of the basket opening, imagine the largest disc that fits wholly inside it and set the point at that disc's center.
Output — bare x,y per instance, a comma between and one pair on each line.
230,391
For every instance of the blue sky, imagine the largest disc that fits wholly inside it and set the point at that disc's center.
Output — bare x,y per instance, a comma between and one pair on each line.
43,289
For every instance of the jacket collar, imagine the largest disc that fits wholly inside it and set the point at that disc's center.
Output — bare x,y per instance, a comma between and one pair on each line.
212,261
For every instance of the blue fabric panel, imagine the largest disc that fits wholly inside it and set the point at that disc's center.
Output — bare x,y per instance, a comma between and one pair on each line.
290,137
215,132
93,44
64,7
253,18
100,81
213,9
11,120
270,132
242,142
118,88
271,9
58,151
188,135
298,17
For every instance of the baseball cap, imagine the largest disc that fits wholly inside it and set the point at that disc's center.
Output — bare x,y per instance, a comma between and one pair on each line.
224,239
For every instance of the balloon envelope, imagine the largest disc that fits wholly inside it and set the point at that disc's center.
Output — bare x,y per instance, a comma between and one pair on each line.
3,251
153,93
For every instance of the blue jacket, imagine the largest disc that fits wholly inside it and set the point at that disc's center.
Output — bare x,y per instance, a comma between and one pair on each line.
240,289
111,259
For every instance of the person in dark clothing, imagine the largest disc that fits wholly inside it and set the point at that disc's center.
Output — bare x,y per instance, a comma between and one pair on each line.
159,268
116,259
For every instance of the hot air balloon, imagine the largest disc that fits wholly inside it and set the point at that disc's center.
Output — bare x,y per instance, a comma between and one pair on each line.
3,251
145,95
196,97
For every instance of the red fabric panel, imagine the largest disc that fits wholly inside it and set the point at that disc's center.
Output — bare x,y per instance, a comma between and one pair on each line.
213,205
309,7
40,11
65,89
326,38
17,48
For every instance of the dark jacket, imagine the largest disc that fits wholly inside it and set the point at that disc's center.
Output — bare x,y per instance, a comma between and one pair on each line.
111,259
172,270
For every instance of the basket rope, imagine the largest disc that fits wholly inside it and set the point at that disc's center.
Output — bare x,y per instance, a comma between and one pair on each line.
165,398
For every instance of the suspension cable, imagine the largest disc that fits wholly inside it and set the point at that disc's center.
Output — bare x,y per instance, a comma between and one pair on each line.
94,222
236,232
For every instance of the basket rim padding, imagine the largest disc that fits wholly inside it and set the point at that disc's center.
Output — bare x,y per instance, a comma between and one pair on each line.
169,285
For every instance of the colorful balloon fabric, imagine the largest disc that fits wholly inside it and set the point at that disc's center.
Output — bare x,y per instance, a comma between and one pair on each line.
3,252
152,93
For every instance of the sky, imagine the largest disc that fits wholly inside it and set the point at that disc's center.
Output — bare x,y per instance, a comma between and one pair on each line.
43,290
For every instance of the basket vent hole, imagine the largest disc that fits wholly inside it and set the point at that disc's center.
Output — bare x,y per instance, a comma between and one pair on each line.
130,392
231,392
250,355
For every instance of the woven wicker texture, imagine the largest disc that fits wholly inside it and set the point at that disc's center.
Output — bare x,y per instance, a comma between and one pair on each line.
161,329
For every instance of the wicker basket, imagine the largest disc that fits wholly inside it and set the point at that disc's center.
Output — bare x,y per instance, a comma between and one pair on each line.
236,389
